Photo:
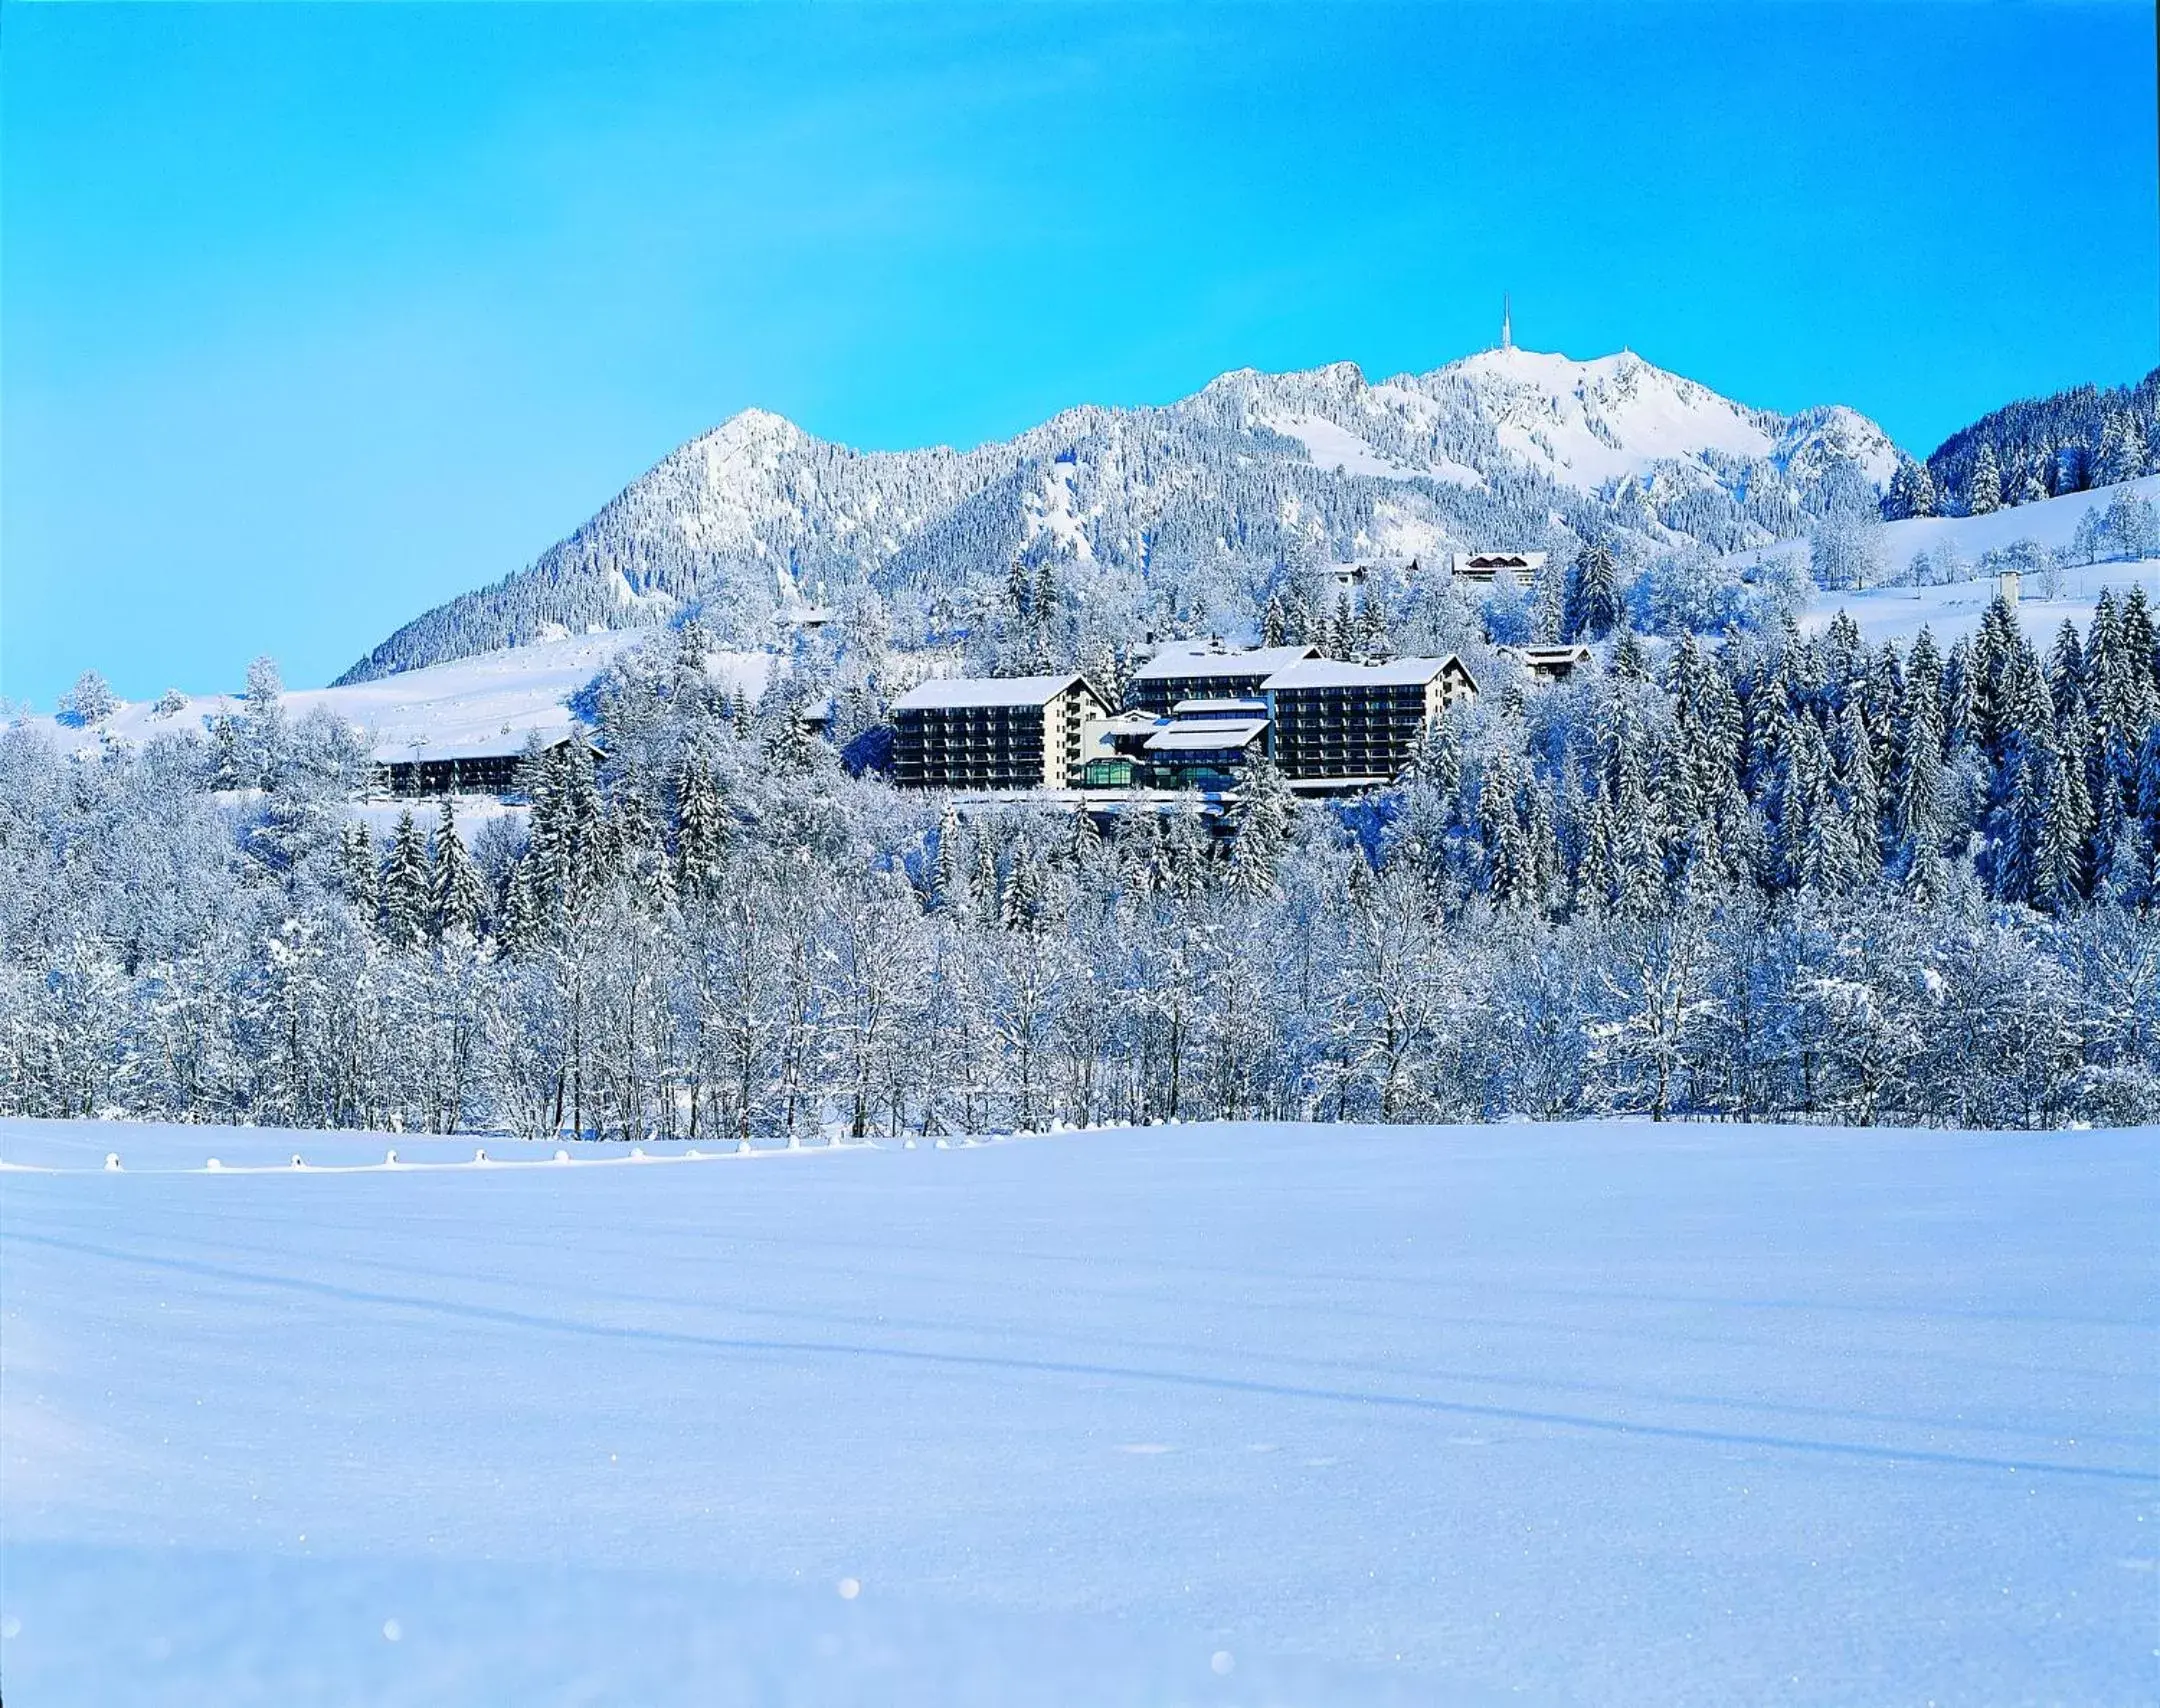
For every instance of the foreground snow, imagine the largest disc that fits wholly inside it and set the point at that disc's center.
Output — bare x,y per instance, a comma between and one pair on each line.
1582,1414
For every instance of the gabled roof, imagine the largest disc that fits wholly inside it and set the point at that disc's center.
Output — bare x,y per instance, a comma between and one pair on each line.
1212,658
1574,653
942,693
1333,673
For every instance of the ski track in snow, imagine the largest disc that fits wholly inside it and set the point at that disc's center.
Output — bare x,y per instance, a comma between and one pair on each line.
1579,1414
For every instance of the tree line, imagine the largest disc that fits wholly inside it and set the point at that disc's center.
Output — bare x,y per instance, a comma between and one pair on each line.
1788,876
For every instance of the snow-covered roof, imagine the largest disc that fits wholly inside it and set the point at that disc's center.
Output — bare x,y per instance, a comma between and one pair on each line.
1576,653
1333,673
505,744
1212,658
1219,709
945,693
1498,560
1189,737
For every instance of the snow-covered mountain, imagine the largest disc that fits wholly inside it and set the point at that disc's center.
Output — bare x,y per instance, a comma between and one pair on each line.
1506,447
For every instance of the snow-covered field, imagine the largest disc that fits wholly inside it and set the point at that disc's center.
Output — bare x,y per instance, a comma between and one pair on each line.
1899,613
1954,609
1575,1414
481,699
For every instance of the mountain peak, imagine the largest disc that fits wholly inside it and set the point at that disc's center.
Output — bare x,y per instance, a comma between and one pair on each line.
754,426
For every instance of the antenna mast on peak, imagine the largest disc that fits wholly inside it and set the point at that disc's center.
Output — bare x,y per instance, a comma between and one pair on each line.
1507,328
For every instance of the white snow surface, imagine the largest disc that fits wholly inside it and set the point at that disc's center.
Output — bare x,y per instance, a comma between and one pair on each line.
1053,509
468,704
1336,447
1955,608
1600,1413
1588,423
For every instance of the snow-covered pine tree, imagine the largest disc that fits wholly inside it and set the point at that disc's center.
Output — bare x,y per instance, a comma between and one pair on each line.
1594,603
1597,871
2057,839
951,885
524,921
700,829
260,737
1805,854
2066,671
357,874
90,701
1343,629
1639,831
1436,760
1021,905
1912,493
2066,470
1188,850
1081,848
1914,836
1983,487
2120,456
405,887
1541,834
1511,875
1861,794
1548,602
1266,811
2032,481
2140,647
984,889
456,896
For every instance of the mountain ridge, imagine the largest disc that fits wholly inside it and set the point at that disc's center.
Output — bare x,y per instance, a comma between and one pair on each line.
1156,509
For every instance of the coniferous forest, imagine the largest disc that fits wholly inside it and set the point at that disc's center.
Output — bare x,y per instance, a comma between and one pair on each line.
1778,876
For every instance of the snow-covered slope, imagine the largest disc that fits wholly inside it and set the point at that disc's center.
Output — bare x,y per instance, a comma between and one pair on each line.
1954,608
1603,1413
1253,469
482,699
2050,522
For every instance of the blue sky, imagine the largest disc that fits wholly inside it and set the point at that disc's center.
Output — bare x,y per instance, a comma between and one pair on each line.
313,317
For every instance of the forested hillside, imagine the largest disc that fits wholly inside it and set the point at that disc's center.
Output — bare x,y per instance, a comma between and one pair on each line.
2037,448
